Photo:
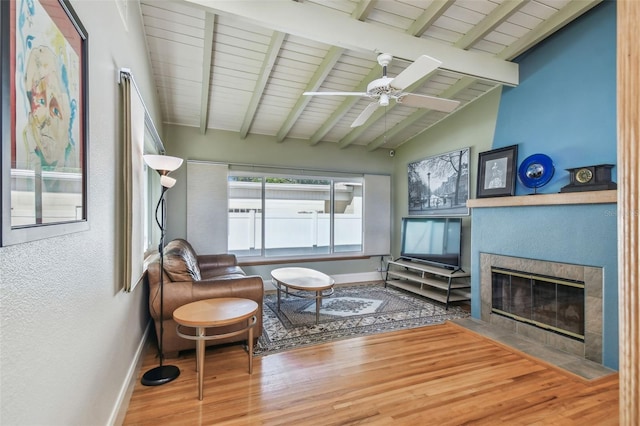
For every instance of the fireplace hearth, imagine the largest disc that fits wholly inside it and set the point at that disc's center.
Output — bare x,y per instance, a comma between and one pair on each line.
556,304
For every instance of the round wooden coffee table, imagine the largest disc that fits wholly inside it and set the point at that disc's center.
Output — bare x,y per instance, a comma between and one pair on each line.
303,279
210,313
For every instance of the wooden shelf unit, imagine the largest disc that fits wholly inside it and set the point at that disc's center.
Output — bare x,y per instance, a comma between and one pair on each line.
441,284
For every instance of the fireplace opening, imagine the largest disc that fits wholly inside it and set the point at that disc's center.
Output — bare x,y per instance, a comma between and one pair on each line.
554,304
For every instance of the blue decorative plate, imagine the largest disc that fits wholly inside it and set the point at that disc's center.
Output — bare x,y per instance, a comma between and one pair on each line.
536,170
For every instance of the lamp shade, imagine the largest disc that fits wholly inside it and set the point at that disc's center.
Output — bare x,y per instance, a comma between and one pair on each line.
162,163
167,181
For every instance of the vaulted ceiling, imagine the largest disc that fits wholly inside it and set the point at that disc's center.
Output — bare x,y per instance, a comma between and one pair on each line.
243,65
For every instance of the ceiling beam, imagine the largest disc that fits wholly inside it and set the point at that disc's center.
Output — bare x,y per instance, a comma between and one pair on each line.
429,16
565,15
316,80
495,18
361,11
207,61
334,28
277,38
490,22
346,105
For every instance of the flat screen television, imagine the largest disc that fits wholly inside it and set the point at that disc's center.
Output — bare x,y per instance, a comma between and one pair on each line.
434,240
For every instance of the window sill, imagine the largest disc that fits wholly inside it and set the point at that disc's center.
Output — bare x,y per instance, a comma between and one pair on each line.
282,260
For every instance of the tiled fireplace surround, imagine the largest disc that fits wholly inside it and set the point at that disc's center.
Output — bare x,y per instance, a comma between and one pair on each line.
592,277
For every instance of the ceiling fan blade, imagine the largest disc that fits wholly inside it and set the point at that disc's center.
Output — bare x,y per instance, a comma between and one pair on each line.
430,102
414,72
335,94
365,114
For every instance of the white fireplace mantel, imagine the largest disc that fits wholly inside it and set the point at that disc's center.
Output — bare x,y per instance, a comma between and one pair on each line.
564,198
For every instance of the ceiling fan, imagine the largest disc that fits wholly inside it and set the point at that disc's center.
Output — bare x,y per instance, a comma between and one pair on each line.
385,88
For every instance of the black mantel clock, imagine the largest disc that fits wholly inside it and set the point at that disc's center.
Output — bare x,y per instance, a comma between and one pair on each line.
590,178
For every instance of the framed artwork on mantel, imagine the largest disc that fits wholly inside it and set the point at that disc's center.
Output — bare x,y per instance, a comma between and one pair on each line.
497,172
44,120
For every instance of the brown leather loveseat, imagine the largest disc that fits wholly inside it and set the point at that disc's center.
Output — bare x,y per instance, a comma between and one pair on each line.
189,277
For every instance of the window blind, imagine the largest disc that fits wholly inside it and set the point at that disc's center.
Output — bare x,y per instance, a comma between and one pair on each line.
207,206
377,215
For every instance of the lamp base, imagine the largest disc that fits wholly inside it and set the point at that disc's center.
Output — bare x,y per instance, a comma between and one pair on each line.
160,375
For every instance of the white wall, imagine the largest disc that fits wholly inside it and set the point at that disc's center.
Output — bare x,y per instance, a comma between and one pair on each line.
69,335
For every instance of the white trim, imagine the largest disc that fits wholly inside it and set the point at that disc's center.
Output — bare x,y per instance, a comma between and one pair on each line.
124,396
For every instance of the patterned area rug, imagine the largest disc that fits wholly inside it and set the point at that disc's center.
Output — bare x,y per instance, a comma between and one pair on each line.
351,311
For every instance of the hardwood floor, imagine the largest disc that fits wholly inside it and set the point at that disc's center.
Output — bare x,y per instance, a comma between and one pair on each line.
436,375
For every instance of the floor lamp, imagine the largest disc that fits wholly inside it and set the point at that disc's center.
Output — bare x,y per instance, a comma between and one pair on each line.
163,164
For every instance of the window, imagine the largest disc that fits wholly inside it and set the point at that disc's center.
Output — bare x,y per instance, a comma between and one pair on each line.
334,214
151,195
274,215
151,190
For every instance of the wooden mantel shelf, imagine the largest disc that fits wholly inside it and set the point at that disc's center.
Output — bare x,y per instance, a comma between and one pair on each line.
587,197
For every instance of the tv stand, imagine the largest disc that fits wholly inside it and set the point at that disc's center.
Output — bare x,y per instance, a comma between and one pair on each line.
441,284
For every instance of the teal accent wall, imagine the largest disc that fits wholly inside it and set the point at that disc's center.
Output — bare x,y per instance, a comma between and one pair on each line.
564,107
580,234
565,104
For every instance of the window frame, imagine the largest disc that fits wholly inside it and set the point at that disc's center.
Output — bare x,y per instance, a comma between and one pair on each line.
333,178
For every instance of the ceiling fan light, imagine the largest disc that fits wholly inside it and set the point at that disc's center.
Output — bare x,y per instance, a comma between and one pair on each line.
384,99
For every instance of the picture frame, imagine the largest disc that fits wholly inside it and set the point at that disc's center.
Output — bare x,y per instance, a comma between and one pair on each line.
497,172
439,185
44,113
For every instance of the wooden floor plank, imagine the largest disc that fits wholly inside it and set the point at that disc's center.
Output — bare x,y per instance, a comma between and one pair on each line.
431,375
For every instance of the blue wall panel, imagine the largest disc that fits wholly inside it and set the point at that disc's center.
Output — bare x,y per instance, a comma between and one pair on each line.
565,107
583,235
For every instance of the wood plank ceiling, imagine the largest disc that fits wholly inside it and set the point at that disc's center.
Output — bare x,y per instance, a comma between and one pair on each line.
242,66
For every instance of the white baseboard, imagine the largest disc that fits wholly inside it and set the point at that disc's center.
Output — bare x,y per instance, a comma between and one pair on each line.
122,404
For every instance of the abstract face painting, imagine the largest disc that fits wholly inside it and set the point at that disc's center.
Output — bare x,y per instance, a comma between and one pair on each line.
48,132
47,92
45,120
